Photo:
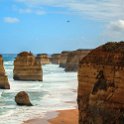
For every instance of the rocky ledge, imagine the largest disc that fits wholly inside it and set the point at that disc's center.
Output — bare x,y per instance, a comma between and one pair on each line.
101,85
26,67
73,59
4,84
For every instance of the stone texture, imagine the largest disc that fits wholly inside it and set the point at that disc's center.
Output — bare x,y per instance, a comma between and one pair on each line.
101,85
22,98
4,84
55,58
26,67
63,58
73,59
43,59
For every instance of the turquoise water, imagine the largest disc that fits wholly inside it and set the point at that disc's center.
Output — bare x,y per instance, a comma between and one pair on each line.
57,91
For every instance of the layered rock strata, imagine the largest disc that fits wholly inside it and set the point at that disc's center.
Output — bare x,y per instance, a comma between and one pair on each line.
26,67
55,58
43,59
101,85
63,58
4,84
73,59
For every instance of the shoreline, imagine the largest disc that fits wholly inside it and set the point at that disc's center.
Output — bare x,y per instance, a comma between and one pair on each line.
69,116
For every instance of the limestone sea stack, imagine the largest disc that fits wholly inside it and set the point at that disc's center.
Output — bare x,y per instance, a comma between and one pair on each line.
43,58
55,58
101,85
63,58
26,67
22,98
73,59
4,84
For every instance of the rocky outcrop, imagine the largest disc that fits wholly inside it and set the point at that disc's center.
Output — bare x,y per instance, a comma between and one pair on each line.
26,67
55,58
101,85
43,59
73,59
22,98
63,58
4,84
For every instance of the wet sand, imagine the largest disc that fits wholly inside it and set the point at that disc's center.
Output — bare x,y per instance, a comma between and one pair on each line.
66,117
60,117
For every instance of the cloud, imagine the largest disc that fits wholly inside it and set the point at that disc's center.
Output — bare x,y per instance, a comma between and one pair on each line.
116,25
29,10
101,10
11,20
114,31
40,12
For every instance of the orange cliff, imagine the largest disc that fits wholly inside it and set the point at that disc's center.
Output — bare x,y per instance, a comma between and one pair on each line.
4,84
26,67
73,59
101,85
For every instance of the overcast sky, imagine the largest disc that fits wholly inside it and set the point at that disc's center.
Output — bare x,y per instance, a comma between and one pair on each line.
55,25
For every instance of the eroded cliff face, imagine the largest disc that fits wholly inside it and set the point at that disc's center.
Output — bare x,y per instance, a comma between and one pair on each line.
55,58
63,58
43,59
101,85
73,59
4,84
26,67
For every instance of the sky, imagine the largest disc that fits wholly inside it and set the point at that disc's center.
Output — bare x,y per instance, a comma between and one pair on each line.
51,26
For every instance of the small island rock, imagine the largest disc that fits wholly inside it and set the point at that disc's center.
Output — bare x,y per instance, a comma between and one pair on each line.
22,98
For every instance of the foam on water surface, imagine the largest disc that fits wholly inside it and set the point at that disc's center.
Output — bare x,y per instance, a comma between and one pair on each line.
56,92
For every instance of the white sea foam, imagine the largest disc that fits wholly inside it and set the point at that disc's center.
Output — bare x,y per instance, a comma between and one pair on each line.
54,93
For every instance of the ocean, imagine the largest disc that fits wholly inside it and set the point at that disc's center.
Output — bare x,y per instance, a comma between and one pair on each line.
57,91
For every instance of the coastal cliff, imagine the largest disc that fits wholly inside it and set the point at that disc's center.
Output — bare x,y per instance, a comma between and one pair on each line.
4,84
43,59
26,67
73,59
55,58
101,85
63,58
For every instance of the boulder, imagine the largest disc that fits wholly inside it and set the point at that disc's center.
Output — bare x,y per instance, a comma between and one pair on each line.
27,67
4,84
73,59
22,98
43,58
101,85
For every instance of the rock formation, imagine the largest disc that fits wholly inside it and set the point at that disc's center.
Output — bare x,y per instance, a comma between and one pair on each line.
63,58
101,83
55,58
73,59
26,67
43,58
22,98
4,84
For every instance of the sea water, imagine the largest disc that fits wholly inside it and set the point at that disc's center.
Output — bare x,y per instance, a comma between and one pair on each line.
57,91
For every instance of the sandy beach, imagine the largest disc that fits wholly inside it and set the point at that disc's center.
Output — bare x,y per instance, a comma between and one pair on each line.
66,117
63,117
